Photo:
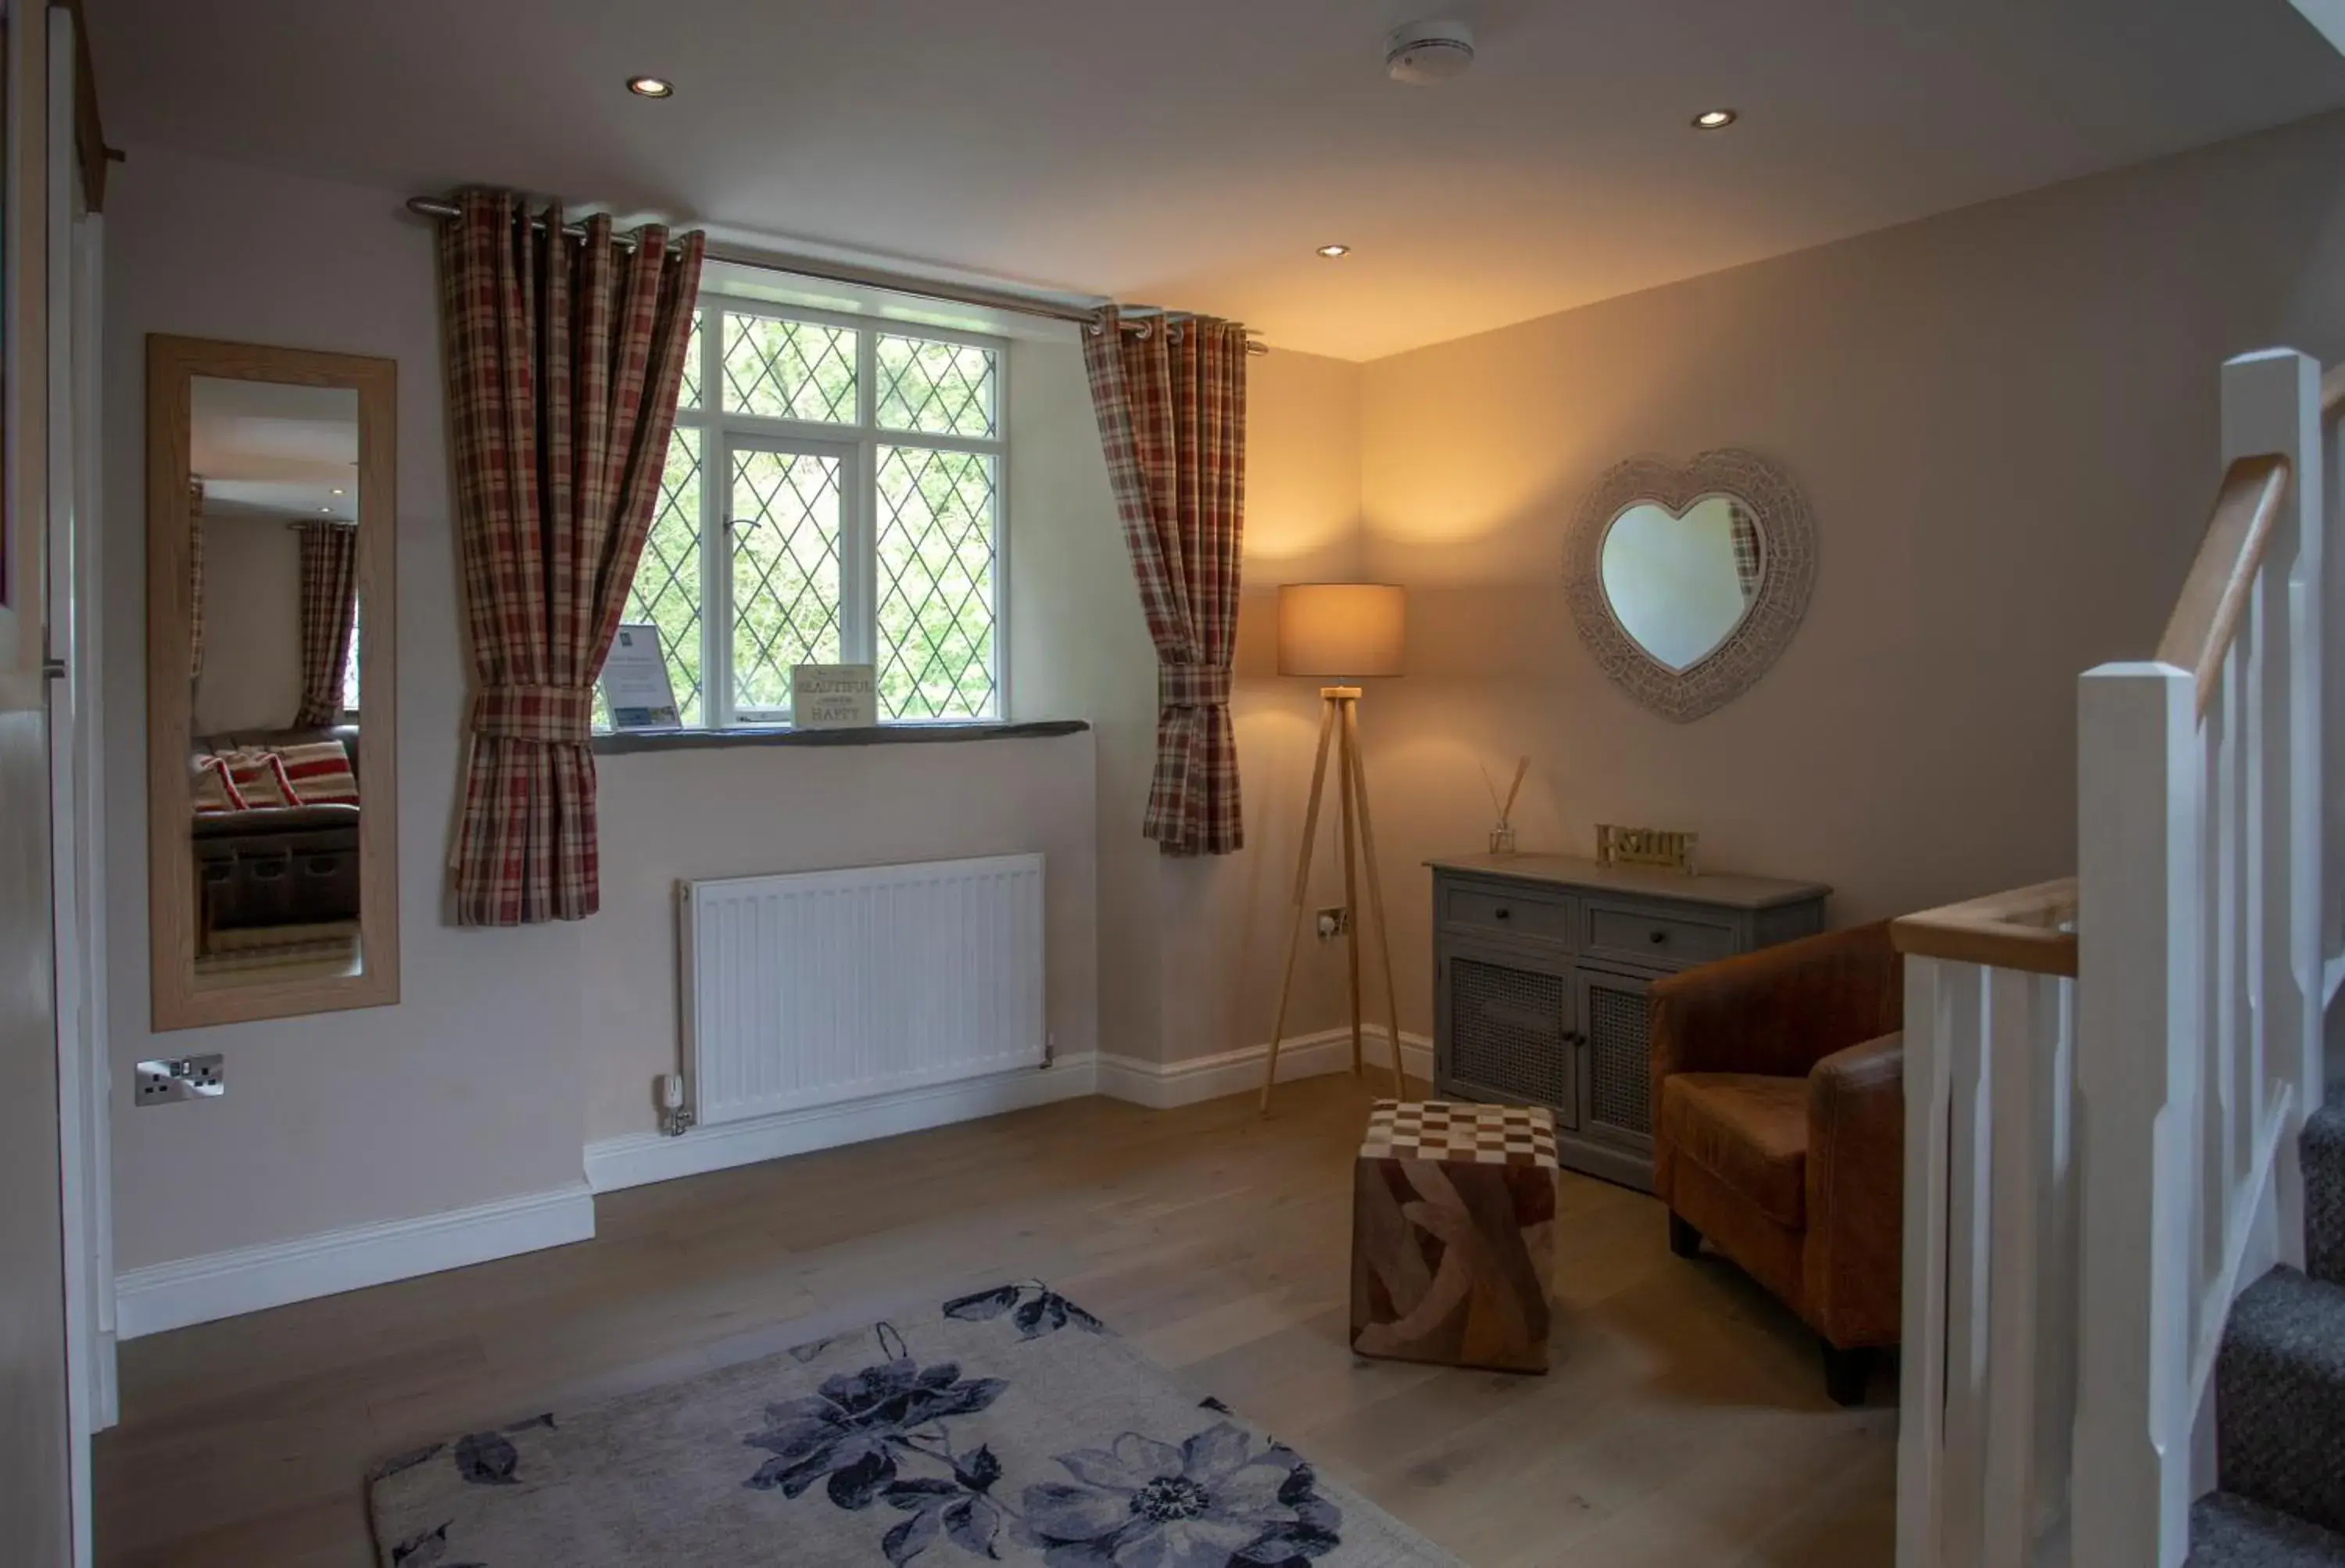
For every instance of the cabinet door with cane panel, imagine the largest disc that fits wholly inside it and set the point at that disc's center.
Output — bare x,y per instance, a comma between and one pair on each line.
1508,1025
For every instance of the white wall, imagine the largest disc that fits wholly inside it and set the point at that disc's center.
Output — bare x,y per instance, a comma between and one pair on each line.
468,1090
752,811
510,1049
252,626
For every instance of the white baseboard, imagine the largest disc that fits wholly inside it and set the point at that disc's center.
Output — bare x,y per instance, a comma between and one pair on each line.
174,1295
1165,1085
249,1279
638,1158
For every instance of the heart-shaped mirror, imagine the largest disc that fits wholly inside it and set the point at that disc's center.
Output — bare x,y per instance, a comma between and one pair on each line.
1680,582
1688,579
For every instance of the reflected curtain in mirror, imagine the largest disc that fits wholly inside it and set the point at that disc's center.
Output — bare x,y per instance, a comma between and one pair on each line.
1170,402
565,353
330,602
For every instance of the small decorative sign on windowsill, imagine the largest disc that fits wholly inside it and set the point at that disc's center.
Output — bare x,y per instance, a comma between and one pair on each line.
634,681
834,696
1657,848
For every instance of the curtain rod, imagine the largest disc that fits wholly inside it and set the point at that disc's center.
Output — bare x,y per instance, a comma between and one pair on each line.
1085,316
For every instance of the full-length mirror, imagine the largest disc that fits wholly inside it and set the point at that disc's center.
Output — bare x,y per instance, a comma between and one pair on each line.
271,774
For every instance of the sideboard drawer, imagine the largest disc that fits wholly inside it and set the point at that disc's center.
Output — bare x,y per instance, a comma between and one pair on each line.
1631,934
1487,912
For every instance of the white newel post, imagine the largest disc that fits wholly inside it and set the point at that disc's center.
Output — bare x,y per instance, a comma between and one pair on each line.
2137,1022
1922,1393
2271,404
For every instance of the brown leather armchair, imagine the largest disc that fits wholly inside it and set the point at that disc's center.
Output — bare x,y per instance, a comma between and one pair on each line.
1779,1130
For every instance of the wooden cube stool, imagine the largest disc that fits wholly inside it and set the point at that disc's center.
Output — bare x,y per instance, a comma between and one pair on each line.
1453,1235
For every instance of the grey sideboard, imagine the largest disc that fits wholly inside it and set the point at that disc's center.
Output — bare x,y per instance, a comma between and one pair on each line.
1540,964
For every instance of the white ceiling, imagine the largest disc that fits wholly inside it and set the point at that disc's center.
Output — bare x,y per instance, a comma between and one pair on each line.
264,449
1192,152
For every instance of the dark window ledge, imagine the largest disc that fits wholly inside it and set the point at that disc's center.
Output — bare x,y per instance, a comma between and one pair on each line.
622,745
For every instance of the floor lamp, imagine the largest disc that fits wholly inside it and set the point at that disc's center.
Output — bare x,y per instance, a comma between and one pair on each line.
1342,632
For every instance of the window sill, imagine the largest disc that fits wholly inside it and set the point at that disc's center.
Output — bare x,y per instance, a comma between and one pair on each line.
633,741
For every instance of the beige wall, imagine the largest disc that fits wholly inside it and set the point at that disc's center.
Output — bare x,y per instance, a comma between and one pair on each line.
252,626
509,1049
468,1090
753,810
1188,948
2005,420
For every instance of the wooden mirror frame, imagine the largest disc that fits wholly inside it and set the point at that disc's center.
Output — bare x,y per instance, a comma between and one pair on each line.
173,363
1788,545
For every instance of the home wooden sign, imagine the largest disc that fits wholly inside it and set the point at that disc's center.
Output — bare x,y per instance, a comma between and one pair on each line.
834,696
1658,848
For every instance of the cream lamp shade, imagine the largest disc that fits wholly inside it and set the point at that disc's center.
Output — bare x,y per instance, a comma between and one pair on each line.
1341,629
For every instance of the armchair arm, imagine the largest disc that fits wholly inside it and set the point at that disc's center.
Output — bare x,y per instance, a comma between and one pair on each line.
1780,1010
1857,1186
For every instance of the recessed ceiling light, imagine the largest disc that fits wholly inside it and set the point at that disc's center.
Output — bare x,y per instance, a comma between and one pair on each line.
651,86
1714,119
1331,251
327,510
338,490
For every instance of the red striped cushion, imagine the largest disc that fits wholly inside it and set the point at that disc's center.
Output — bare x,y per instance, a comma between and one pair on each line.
214,791
318,774
258,779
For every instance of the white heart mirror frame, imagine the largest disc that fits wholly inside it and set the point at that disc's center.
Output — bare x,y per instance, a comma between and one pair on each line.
1787,545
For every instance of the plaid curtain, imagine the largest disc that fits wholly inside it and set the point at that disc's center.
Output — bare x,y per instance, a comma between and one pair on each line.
1745,534
1172,416
195,578
564,357
330,606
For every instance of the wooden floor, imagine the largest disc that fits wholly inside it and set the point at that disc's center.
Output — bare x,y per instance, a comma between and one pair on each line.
1684,1423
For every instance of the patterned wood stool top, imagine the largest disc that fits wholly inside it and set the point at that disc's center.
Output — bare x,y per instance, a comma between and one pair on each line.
1453,1222
1450,1130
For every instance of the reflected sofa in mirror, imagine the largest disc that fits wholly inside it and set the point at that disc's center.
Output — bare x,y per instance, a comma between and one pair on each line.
1688,580
272,788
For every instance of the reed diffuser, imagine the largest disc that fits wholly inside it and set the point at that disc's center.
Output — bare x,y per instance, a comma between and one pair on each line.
1502,836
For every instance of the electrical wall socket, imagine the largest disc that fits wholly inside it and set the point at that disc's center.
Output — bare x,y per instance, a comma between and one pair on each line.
1333,922
180,1078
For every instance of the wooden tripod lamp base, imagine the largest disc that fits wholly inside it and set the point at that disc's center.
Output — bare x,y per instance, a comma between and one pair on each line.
1325,629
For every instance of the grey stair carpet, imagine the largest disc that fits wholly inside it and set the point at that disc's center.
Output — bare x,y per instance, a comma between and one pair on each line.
2229,1532
2324,1194
2280,1390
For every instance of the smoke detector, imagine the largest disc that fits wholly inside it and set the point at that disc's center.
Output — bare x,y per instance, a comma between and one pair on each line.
1423,53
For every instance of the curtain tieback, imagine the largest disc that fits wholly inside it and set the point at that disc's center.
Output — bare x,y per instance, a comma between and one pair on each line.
556,714
1192,685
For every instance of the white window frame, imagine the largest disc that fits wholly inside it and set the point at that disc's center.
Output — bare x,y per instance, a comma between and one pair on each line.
721,432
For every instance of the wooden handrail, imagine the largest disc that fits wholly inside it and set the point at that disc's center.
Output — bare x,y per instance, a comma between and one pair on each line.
2022,929
2214,596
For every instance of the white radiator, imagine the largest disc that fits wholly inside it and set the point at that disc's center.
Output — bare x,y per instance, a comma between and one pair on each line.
823,986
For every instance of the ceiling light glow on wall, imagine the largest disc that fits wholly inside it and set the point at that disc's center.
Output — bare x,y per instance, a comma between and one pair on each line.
1714,119
1331,251
651,86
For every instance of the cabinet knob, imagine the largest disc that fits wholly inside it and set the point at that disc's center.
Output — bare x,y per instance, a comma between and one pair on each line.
1660,936
1503,912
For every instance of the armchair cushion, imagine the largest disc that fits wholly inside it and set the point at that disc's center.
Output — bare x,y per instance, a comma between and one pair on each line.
1750,1130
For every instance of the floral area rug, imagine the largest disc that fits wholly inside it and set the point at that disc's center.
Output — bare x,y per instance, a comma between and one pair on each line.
1007,1426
